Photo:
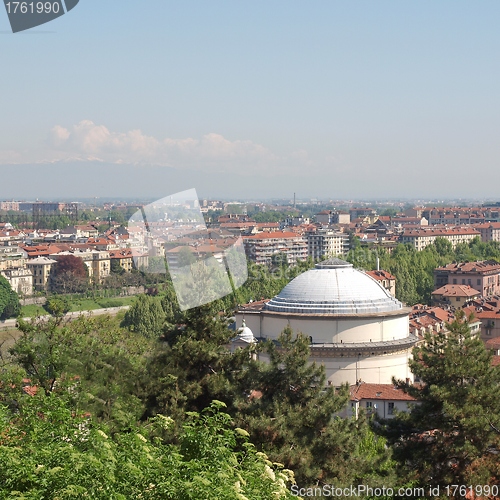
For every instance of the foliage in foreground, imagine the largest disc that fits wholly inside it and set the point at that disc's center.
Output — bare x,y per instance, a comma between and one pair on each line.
49,451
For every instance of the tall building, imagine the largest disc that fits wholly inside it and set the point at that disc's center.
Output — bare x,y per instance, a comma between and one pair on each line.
327,243
261,247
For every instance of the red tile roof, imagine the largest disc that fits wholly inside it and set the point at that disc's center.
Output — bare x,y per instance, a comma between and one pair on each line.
480,267
456,291
378,391
381,275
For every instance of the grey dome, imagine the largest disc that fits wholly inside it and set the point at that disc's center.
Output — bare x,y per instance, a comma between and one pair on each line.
334,287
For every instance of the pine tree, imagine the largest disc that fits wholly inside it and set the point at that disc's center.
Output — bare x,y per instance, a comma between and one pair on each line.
453,436
293,419
146,317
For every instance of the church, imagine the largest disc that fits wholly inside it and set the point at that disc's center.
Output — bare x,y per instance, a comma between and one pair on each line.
357,329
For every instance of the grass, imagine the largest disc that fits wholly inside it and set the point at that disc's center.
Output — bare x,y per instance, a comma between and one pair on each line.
80,305
32,311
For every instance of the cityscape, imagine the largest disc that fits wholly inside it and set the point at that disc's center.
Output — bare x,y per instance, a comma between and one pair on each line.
249,250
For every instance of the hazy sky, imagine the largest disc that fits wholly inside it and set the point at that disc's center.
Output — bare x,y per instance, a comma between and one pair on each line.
241,98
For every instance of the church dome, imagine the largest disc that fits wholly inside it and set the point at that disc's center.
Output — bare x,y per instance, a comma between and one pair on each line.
245,334
334,287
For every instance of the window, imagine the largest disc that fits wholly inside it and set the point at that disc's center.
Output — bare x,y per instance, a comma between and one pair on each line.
478,281
390,408
463,281
369,405
454,281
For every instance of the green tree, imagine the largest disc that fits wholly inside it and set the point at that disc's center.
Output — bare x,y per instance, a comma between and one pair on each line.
293,420
145,317
51,450
9,301
453,435
58,306
193,366
443,246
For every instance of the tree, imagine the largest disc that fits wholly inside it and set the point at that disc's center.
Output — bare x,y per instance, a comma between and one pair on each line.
193,366
146,316
443,246
9,301
58,306
52,450
70,275
453,436
293,419
116,268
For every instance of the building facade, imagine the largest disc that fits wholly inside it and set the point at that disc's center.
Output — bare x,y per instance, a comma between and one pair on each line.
358,330
483,276
327,243
260,248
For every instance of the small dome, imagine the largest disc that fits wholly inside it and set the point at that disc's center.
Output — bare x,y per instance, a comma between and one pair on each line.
334,287
245,334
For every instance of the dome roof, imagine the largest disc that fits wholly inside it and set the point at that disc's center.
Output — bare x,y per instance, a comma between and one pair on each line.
245,334
334,287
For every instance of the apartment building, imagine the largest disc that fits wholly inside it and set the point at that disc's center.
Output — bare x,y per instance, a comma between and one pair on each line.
41,268
261,247
483,276
12,258
422,237
490,231
454,295
386,279
326,243
20,280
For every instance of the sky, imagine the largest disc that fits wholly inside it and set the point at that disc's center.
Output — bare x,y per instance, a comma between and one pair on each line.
245,100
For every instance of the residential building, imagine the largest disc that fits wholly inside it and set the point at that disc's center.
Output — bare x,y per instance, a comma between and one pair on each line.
9,205
454,295
422,237
386,279
327,243
357,212
490,231
487,311
20,280
483,276
130,258
41,268
12,258
261,247
383,400
340,217
98,262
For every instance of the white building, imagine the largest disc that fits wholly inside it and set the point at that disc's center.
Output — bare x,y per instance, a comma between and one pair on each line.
20,280
327,243
358,330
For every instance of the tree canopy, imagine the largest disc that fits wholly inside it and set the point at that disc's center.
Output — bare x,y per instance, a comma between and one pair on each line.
9,301
453,435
